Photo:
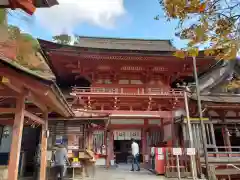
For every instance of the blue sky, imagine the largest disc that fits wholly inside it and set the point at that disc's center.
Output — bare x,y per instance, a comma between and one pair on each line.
124,19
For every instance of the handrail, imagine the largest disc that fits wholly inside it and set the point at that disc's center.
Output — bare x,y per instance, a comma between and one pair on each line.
234,166
130,90
223,147
222,151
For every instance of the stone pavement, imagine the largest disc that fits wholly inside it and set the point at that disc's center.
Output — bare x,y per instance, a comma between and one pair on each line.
123,173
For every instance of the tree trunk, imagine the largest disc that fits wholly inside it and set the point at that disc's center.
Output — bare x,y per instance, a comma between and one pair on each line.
3,16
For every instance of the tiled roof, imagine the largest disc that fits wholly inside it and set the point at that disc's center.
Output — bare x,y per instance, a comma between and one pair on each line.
217,91
126,44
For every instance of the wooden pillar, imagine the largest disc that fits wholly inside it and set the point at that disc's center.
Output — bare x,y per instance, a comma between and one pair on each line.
226,138
43,161
144,144
108,148
144,139
106,143
161,129
110,153
86,137
90,139
173,133
213,137
16,139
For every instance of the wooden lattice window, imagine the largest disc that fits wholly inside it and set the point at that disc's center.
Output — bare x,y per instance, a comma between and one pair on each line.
99,81
104,81
98,140
72,133
123,81
136,82
107,81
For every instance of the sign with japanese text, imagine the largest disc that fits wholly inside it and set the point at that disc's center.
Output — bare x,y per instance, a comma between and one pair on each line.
177,151
127,134
191,151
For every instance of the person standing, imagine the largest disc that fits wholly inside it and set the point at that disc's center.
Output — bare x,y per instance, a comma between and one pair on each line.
135,154
60,158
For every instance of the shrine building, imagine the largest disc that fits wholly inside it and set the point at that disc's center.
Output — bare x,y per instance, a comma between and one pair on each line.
110,90
129,82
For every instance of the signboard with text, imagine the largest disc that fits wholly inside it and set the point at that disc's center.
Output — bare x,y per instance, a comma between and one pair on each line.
127,134
177,151
191,151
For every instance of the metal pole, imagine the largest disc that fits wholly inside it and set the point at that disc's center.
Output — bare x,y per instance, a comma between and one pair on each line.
192,159
203,130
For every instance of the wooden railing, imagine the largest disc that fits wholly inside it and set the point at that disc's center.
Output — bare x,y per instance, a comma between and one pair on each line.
224,150
235,167
226,156
127,91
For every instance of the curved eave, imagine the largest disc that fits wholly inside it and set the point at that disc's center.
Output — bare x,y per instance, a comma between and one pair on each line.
80,113
45,3
219,98
63,105
216,75
58,102
49,46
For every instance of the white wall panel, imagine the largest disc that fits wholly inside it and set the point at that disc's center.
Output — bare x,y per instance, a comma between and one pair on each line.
127,121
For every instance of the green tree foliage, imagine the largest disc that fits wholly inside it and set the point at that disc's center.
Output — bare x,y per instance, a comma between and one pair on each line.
201,22
18,47
76,39
62,39
66,39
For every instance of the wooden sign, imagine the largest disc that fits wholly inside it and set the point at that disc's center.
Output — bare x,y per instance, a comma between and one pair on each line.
121,135
177,151
191,151
160,157
135,134
127,134
73,147
159,150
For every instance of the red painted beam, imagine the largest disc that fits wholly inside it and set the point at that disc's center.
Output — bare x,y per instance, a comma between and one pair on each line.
124,92
124,113
142,114
6,122
129,126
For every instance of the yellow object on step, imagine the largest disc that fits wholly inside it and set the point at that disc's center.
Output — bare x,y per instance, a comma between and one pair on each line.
75,160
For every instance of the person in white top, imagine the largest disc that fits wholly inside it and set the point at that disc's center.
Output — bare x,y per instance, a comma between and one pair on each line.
135,153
